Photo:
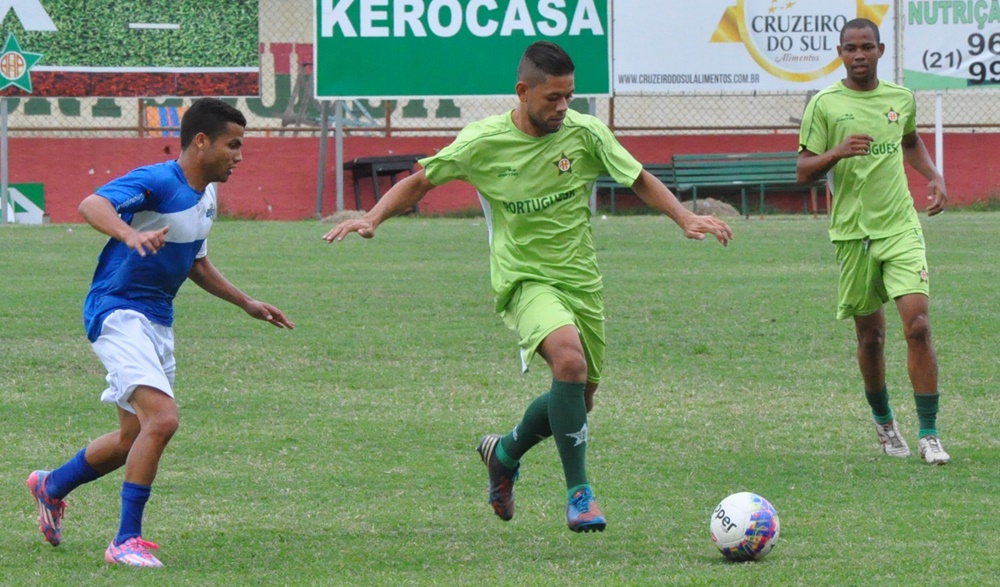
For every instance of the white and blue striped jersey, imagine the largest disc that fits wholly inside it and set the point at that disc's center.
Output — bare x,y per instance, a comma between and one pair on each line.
149,198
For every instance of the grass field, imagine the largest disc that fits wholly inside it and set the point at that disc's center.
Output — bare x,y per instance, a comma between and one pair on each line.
342,453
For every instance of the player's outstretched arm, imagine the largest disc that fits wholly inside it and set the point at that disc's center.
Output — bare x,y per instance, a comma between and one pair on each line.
659,197
403,196
101,214
208,278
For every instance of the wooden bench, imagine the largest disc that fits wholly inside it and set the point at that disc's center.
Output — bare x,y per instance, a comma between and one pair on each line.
740,172
662,171
374,167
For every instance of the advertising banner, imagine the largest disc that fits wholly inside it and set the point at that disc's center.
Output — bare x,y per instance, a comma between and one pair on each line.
124,48
949,45
451,48
29,202
736,45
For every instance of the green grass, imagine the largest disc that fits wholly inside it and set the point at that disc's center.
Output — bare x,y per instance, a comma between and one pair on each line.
342,453
991,203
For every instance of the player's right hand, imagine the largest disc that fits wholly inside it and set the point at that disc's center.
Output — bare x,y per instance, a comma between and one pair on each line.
856,145
358,225
149,241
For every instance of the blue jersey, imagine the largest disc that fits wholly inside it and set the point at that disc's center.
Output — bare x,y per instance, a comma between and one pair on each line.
149,198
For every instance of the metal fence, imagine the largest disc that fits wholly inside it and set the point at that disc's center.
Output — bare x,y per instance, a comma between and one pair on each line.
285,106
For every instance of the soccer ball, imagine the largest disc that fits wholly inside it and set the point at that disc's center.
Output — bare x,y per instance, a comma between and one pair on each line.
744,527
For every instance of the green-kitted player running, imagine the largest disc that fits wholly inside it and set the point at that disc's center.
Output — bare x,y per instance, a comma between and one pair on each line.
860,130
534,168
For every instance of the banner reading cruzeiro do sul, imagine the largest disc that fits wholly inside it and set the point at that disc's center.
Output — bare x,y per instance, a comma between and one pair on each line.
737,45
951,44
442,48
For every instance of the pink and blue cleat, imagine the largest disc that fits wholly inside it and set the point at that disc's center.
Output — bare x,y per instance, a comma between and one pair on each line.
133,552
50,510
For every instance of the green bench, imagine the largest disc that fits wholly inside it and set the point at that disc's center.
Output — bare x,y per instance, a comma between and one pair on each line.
741,172
662,171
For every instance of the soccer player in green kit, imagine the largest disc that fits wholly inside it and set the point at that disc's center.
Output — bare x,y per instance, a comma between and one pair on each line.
860,130
534,168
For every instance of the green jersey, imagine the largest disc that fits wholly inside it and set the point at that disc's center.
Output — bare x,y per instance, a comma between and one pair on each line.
870,193
535,192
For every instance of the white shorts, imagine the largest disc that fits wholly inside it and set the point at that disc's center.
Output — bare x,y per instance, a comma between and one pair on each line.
135,352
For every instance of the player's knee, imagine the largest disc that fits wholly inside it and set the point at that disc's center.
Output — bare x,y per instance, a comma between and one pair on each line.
570,366
162,426
871,340
918,330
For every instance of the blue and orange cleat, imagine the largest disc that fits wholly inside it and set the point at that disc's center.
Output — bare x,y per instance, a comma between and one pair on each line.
501,478
50,510
133,552
582,513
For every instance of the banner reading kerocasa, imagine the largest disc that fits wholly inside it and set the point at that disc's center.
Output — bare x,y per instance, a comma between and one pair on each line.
736,45
438,48
951,44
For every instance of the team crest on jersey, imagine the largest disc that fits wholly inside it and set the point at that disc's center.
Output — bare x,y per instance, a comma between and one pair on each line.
923,275
892,116
564,164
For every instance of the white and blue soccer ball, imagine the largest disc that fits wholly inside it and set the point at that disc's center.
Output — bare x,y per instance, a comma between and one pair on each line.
744,527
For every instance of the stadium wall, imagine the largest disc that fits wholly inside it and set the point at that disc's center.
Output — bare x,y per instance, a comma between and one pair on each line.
277,179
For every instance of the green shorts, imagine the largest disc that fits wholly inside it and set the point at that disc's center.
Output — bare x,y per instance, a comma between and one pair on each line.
872,272
536,310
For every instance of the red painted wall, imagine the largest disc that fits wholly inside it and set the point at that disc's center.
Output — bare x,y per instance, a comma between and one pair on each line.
277,178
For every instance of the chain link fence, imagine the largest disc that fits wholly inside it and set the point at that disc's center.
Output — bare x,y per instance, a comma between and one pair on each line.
285,106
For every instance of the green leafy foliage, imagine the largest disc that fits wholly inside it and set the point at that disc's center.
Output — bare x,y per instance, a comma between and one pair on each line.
97,33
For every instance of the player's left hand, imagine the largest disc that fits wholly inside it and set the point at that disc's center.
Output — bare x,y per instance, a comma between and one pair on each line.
937,195
696,227
358,225
268,313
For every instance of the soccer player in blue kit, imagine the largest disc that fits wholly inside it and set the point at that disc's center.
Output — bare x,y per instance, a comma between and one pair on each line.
158,218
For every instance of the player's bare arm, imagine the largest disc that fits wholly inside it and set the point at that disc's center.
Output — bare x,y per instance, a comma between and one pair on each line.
403,196
659,197
101,214
811,166
915,153
209,278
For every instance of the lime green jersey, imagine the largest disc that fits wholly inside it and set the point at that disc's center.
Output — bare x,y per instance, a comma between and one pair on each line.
535,192
871,197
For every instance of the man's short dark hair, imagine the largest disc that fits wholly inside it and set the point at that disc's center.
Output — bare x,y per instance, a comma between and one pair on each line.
209,116
861,23
542,59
